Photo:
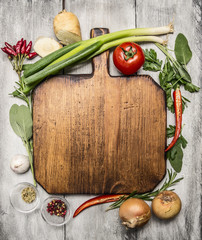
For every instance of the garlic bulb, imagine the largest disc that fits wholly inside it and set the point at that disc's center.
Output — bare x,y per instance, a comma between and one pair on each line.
19,163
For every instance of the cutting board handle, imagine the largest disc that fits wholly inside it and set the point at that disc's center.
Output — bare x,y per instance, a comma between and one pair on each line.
100,62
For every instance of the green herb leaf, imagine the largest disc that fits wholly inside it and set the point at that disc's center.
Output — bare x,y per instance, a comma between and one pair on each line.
175,154
183,52
183,72
191,87
151,61
175,158
170,131
21,121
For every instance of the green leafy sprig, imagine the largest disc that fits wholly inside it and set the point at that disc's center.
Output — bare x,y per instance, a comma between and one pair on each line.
173,74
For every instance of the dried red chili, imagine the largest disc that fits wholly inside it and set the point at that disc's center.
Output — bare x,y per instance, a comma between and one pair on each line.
18,46
178,117
32,55
9,46
23,48
98,200
28,48
9,51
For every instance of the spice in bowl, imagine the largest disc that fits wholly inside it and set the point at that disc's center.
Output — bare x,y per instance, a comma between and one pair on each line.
57,207
28,194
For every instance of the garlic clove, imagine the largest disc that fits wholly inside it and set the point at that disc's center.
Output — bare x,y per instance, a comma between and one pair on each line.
20,163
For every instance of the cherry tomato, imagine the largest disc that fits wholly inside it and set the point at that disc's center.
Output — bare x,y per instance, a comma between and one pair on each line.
128,58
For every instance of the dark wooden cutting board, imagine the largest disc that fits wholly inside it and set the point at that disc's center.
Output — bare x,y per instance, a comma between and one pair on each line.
97,133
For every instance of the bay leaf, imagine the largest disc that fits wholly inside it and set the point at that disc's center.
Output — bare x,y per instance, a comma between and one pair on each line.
21,121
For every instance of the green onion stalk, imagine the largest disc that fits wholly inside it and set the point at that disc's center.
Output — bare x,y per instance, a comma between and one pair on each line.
85,50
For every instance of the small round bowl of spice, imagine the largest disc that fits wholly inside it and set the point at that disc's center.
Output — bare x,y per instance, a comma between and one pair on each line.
56,210
24,197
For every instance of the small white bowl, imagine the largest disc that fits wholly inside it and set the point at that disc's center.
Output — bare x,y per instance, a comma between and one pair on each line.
53,219
18,203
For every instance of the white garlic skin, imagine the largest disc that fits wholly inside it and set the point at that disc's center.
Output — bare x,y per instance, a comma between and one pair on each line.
20,163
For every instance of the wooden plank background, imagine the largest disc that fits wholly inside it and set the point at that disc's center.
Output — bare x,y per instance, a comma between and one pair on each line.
30,19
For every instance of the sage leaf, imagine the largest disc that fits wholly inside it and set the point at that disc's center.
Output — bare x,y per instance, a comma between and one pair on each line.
175,154
176,158
21,121
183,52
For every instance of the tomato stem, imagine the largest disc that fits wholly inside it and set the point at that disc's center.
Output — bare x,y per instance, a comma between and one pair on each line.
129,53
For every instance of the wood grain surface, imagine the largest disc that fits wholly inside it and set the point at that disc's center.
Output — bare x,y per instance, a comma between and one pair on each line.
99,134
31,19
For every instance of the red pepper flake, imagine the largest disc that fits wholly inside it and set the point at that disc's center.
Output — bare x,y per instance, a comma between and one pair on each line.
57,207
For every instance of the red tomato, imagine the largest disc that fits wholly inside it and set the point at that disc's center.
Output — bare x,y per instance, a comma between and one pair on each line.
128,58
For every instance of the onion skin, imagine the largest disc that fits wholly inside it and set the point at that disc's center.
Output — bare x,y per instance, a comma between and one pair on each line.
67,27
134,212
166,205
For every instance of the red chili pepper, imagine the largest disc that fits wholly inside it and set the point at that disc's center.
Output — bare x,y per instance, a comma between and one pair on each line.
98,200
14,48
28,48
23,48
9,51
18,46
32,55
9,46
4,50
178,117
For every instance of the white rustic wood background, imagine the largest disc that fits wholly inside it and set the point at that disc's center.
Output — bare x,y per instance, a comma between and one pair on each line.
33,18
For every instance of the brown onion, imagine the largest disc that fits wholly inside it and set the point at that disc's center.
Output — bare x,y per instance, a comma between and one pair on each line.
134,212
166,205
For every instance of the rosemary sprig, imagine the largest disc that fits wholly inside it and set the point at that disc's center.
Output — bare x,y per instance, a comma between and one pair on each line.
150,195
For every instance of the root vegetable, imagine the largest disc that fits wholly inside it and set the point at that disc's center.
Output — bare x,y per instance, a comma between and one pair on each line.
134,212
67,28
166,205
45,45
20,163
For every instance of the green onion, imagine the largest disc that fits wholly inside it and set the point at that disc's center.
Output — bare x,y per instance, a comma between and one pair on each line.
85,50
121,34
39,76
43,62
128,39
